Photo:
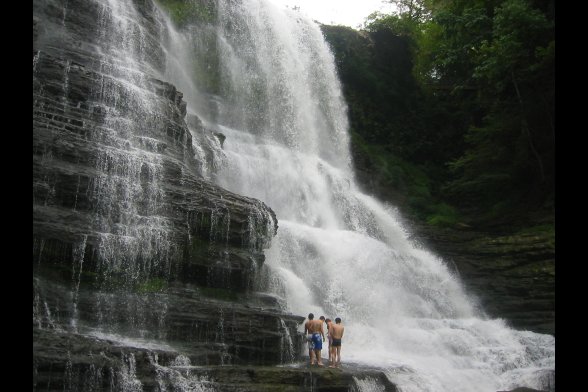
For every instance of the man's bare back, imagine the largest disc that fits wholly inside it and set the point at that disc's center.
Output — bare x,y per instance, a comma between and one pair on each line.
336,331
314,326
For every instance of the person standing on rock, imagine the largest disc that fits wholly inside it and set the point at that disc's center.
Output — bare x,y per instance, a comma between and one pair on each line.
336,330
314,329
329,322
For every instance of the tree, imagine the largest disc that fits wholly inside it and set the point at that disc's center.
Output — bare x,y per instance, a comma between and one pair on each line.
414,10
497,59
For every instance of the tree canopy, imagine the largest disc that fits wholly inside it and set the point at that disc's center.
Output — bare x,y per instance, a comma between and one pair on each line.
463,92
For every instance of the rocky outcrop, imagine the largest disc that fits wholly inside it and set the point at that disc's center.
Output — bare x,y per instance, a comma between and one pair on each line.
101,364
146,276
96,188
114,168
206,325
511,274
136,256
297,378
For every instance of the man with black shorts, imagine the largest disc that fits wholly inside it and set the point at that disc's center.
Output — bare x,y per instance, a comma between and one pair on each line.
336,330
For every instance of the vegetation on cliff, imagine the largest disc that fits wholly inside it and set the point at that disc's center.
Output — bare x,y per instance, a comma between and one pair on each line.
451,107
183,12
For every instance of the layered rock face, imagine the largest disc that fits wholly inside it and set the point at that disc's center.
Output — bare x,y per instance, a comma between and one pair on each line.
513,276
139,263
113,161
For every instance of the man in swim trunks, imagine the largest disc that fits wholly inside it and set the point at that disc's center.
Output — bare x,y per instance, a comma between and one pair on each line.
314,329
329,338
336,330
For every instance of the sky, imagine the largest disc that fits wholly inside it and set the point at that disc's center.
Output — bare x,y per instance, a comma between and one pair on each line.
350,13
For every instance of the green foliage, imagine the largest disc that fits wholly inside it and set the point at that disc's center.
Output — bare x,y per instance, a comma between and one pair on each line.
517,35
183,12
463,91
444,215
399,25
454,36
153,285
413,10
545,231
494,59
218,293
396,130
206,72
413,188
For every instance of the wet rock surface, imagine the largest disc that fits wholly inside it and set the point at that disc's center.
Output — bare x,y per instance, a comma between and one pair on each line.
512,275
133,248
66,361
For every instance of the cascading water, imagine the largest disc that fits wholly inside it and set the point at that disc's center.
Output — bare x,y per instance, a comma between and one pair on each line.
268,121
123,197
339,252
136,256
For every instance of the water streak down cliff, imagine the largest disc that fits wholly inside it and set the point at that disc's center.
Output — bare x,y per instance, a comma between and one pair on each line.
145,264
136,256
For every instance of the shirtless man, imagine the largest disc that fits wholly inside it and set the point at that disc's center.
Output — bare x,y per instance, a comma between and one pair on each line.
336,330
315,344
329,338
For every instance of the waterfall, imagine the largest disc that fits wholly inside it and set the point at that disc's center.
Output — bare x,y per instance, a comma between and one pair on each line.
338,252
136,254
123,194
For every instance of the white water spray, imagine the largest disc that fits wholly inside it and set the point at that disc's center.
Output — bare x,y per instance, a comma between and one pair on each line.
339,252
